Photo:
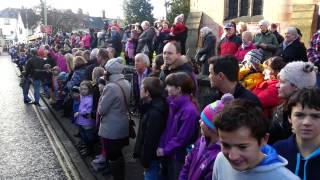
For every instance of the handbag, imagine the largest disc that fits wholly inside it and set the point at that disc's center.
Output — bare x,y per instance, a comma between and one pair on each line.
132,132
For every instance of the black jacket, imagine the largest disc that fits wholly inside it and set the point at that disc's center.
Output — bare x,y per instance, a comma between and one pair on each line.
242,93
152,124
34,68
296,51
208,47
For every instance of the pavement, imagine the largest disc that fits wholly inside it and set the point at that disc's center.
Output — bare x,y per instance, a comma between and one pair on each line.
38,143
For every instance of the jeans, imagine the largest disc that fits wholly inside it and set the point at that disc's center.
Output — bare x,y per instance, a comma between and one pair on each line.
36,89
25,89
318,80
87,135
153,172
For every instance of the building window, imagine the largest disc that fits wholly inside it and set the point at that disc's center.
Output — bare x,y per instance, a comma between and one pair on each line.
257,7
6,21
244,8
233,9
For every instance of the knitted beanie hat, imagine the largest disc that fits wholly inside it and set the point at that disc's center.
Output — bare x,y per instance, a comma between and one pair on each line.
114,66
253,58
210,111
299,73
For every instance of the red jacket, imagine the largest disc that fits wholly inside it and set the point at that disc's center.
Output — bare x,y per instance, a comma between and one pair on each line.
267,93
229,45
243,51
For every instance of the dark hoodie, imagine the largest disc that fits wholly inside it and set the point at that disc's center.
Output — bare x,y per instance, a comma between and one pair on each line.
307,168
152,124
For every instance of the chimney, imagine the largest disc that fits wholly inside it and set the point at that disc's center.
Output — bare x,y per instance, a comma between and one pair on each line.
103,14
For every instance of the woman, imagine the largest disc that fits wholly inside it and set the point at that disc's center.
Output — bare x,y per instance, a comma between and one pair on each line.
208,49
114,125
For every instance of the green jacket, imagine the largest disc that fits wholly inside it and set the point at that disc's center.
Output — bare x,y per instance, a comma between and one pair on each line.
267,38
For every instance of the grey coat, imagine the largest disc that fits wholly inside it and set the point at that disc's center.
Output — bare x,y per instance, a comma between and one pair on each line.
114,122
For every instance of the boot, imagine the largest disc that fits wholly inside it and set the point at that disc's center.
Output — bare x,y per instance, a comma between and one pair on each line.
117,169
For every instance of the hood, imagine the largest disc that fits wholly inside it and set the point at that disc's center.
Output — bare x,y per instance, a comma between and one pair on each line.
271,161
315,154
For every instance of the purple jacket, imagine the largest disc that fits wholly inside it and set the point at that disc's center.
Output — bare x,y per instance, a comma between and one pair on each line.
199,163
85,108
60,60
181,129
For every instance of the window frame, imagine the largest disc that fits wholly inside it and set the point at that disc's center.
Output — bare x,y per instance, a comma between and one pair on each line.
245,18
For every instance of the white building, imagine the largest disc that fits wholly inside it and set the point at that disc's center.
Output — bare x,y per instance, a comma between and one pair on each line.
12,26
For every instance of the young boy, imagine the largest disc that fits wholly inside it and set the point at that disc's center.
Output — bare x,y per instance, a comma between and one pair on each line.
245,155
302,149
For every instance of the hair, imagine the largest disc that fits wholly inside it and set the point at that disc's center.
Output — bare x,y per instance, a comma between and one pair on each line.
86,55
97,73
293,31
274,26
154,86
144,58
78,61
243,25
264,22
228,65
183,80
205,30
243,113
177,45
94,53
306,97
158,60
78,53
275,63
146,23
69,59
88,84
247,33
34,51
103,53
112,50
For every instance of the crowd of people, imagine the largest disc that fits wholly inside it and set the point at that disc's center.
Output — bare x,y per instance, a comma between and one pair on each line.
265,124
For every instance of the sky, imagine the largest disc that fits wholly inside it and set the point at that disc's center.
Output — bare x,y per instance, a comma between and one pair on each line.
113,8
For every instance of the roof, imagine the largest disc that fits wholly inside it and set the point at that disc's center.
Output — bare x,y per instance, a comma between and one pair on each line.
9,13
93,22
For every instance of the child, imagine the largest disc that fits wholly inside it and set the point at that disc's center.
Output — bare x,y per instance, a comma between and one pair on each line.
199,163
83,119
243,134
302,150
266,91
152,123
182,123
130,47
251,73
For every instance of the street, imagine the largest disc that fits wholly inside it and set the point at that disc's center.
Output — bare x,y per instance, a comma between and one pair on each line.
25,152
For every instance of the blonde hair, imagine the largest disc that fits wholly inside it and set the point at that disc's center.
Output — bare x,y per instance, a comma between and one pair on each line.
69,60
248,34
78,61
97,73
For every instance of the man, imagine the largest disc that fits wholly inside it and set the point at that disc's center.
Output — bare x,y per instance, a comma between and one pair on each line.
224,72
291,49
230,43
266,40
302,150
142,64
145,41
273,29
102,57
35,70
244,155
173,62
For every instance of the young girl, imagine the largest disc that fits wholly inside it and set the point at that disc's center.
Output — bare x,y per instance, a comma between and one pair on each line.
266,91
182,124
199,163
83,119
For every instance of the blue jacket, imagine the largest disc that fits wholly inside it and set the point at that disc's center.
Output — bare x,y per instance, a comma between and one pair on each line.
199,163
306,168
181,128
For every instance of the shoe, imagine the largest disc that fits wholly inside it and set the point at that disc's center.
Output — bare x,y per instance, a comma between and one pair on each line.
99,160
85,152
29,101
37,104
99,167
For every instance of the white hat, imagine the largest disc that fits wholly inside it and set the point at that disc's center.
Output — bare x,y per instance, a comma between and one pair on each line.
299,73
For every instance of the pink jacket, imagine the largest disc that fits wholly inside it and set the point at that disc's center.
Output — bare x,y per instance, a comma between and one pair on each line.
61,61
86,41
243,51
